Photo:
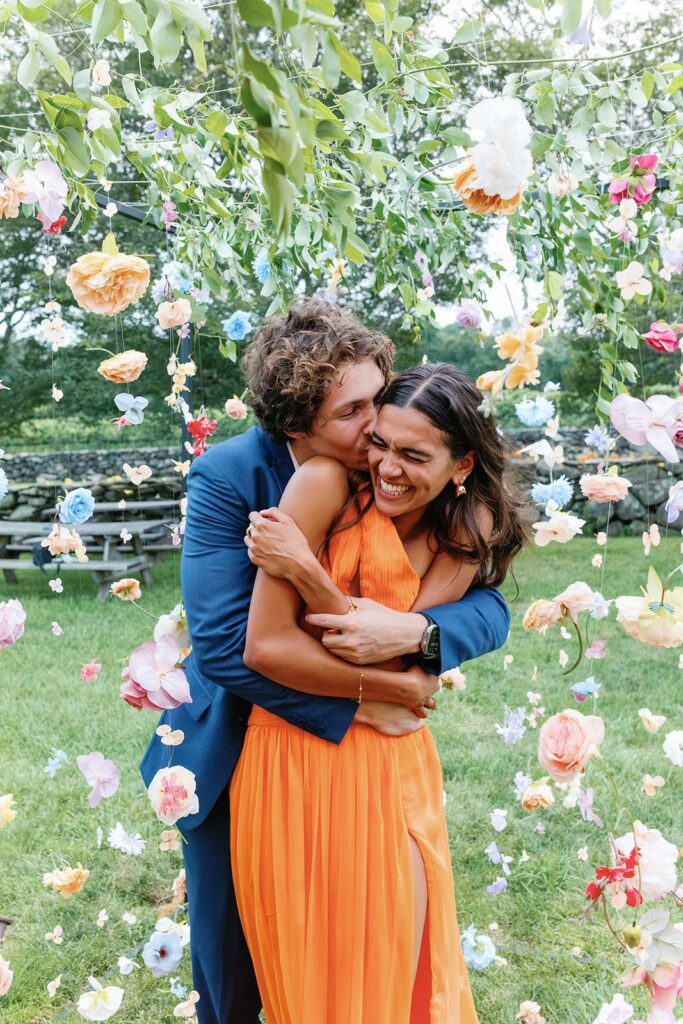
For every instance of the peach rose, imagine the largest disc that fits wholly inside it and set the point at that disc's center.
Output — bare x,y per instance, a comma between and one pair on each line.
537,794
124,367
61,540
67,880
6,976
604,486
174,314
542,614
127,589
106,284
578,597
452,679
567,741
12,194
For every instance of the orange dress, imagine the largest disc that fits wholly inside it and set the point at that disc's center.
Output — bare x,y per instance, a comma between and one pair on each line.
321,853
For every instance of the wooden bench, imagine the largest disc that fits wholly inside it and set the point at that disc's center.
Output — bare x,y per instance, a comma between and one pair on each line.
18,539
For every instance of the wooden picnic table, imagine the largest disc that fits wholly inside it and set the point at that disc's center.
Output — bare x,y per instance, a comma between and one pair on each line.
153,505
18,538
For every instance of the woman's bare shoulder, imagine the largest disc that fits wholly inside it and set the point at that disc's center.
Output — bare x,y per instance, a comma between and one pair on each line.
318,490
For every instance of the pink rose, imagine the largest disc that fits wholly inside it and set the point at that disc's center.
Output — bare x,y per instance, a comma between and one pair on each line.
12,620
661,337
236,409
90,671
604,486
567,742
678,436
153,678
174,314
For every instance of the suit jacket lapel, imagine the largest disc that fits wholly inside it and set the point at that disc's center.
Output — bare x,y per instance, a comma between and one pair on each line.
278,458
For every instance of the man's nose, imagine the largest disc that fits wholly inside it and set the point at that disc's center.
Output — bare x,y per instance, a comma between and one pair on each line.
370,422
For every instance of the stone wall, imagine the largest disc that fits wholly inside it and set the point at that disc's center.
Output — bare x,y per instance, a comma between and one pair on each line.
36,480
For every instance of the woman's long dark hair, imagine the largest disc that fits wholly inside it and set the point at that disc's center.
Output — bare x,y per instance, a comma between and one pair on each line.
450,400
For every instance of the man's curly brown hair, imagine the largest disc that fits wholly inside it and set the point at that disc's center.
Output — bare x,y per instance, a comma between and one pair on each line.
294,357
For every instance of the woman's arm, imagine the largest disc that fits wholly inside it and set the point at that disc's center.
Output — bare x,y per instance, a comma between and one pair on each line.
448,579
277,647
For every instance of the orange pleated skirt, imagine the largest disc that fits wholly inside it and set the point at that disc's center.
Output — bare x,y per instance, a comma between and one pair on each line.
323,870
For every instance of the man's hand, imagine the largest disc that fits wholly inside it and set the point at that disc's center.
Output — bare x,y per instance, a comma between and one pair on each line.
373,634
389,719
276,544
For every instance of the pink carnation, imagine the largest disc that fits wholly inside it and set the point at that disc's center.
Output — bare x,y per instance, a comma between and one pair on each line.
90,671
12,620
152,678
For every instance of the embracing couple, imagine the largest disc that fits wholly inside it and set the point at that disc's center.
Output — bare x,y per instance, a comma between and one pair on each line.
337,558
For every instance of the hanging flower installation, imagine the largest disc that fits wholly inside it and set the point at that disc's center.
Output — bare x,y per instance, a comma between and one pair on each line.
108,282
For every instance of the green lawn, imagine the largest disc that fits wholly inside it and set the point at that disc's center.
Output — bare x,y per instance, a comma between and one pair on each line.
44,704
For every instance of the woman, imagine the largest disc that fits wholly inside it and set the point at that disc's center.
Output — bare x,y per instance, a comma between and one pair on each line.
340,854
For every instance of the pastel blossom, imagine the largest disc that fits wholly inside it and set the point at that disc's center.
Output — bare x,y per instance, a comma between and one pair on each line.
152,678
90,671
45,185
6,976
652,723
99,1003
469,315
237,325
657,860
632,281
100,773
673,747
97,118
653,620
661,337
618,1011
566,743
100,73
559,527
236,409
126,589
67,880
7,811
162,953
172,793
477,948
650,422
130,843
12,621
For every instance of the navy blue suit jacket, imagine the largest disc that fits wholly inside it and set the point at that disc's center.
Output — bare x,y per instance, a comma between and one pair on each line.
246,473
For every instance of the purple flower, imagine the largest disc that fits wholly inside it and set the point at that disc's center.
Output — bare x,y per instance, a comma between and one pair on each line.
539,827
100,773
159,133
513,727
521,782
585,804
674,505
421,261
496,857
500,885
469,315
597,439
585,689
169,213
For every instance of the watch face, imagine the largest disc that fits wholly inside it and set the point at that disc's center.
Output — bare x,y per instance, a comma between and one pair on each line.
430,643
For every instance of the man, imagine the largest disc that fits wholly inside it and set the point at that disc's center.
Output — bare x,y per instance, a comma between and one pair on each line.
314,375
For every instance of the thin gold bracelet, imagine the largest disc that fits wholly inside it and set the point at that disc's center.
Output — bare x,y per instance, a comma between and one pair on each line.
352,607
360,691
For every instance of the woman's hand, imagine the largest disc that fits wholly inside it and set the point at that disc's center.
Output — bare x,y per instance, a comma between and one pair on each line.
276,544
421,689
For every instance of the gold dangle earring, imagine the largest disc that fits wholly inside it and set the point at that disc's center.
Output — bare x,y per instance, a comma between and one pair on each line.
461,489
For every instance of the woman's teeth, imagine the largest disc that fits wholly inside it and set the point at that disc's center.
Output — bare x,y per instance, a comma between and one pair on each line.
392,489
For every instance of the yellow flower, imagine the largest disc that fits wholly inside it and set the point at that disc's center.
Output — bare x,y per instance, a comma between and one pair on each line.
524,371
537,794
124,367
68,880
491,381
510,346
7,813
108,284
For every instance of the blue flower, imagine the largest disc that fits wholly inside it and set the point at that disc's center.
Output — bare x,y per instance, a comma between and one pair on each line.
132,408
159,133
588,688
237,326
535,412
560,491
478,950
162,953
597,439
261,265
77,507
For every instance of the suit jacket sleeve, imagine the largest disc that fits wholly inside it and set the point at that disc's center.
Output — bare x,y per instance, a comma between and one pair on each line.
217,581
476,624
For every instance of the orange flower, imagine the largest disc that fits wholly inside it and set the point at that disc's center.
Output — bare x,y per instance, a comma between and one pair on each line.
478,201
524,372
537,794
491,381
108,284
510,346
127,589
12,194
67,880
124,367
174,314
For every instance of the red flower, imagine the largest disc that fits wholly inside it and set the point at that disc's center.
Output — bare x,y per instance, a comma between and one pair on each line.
593,891
633,898
661,337
201,427
55,228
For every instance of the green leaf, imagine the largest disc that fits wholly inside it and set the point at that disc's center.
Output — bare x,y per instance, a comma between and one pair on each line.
675,84
353,104
217,122
583,242
105,18
545,109
349,64
553,285
571,15
604,8
131,91
331,65
356,249
165,37
75,153
647,84
456,137
384,62
375,12
468,32
280,193
135,16
29,67
109,244
607,114
540,144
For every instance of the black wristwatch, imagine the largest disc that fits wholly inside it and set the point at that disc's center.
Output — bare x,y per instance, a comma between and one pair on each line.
430,647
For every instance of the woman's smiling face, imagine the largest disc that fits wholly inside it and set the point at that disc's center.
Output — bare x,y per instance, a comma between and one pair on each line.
410,462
